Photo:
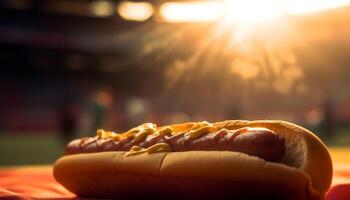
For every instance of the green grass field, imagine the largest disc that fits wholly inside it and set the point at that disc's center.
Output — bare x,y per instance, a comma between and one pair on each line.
29,149
341,139
37,149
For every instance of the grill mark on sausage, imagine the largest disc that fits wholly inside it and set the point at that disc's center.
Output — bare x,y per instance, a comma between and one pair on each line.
259,142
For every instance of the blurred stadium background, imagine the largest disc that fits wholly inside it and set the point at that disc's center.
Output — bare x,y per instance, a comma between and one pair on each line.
70,67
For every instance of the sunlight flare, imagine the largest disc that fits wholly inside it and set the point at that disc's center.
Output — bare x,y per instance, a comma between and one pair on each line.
191,11
252,11
135,11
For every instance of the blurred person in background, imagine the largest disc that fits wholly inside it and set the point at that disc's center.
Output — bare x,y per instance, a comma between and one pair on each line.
68,118
328,123
102,100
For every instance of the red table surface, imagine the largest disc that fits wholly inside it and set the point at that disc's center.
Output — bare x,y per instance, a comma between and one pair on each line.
37,182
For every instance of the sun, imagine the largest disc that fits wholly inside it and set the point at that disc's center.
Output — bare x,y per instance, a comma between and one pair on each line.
252,11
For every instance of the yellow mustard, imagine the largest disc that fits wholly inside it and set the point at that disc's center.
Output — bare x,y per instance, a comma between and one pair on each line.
141,132
166,131
144,130
117,137
157,148
140,136
200,125
201,131
136,148
146,127
102,134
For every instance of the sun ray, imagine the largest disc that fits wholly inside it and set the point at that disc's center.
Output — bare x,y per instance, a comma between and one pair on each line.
227,57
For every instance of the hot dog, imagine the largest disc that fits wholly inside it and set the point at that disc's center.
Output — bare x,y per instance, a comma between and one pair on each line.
238,159
260,142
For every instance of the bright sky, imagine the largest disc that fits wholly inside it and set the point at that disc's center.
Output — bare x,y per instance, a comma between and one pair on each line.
243,11
308,6
238,11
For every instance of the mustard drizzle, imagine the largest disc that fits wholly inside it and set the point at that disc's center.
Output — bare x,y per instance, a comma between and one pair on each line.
141,132
160,147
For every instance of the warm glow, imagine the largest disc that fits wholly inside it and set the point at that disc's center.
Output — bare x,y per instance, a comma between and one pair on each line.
191,11
249,11
297,7
243,12
135,11
102,8
245,69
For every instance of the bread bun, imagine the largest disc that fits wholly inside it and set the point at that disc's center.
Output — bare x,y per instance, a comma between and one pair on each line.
305,172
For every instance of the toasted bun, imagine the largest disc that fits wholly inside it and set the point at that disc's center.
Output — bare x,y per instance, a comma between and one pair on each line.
305,171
